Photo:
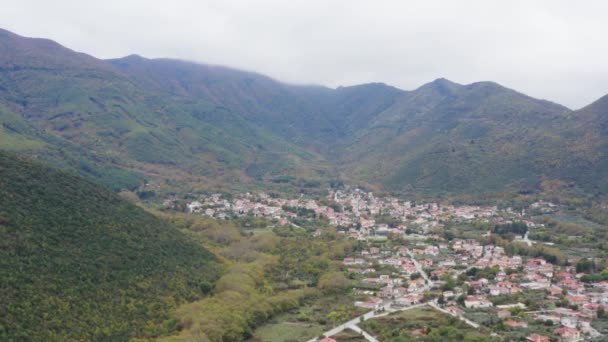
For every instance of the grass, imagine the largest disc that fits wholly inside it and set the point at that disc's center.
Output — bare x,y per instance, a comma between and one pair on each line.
13,142
349,336
288,331
309,320
436,326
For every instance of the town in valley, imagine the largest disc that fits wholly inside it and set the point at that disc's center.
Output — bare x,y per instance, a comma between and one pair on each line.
479,264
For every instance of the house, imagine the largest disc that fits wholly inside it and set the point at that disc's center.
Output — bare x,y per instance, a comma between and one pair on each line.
590,308
537,338
407,300
567,334
353,261
386,292
477,302
416,285
328,339
195,207
577,299
374,303
516,324
503,313
448,294
555,291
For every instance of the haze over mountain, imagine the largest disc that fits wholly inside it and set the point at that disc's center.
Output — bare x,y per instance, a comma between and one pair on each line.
125,119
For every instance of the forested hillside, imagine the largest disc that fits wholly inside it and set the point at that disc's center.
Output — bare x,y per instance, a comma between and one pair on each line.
79,263
124,120
75,101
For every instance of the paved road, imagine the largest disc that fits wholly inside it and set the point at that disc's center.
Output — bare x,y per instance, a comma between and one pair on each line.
352,324
419,268
367,336
348,325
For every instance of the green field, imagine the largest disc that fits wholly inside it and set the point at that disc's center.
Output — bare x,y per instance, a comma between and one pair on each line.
421,324
288,332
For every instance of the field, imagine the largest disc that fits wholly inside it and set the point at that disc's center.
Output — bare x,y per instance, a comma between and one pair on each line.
421,324
310,320
287,331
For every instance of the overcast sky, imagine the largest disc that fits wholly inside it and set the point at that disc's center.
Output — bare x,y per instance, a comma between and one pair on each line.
549,49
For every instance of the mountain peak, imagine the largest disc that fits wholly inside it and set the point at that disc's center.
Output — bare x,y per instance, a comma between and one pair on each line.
443,81
442,86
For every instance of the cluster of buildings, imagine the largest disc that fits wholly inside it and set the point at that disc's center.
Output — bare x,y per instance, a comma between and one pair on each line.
424,264
401,276
354,209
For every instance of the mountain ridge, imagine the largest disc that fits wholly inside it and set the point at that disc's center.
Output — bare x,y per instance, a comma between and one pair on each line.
214,124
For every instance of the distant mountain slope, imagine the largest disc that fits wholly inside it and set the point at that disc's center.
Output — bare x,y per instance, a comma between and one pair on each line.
124,119
89,103
79,263
310,116
448,137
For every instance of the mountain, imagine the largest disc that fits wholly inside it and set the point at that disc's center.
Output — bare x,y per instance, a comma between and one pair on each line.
79,263
85,103
447,137
310,116
122,120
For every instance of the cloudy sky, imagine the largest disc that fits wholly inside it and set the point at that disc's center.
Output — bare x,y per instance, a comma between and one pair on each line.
549,49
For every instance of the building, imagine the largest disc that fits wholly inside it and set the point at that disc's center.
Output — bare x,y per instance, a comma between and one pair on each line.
567,334
538,338
477,302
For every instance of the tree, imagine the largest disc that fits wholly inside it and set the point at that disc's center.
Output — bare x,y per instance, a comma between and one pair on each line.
333,317
449,282
601,312
585,266
333,282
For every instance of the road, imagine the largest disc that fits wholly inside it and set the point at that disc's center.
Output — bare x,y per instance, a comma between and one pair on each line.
527,241
367,336
419,268
349,325
352,324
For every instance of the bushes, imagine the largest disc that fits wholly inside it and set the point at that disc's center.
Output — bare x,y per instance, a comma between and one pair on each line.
515,228
334,282
238,305
596,277
269,273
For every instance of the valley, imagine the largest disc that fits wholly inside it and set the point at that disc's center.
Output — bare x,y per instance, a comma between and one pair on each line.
475,264
157,199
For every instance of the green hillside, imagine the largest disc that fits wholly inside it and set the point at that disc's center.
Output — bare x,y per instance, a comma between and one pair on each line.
446,138
79,263
196,126
120,123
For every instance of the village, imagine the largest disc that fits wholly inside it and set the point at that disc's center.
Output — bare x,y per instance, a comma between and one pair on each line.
406,262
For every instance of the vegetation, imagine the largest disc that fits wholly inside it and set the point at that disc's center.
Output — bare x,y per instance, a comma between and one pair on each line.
268,274
196,125
515,228
422,324
79,263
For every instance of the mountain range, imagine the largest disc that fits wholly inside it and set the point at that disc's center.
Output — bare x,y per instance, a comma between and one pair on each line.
121,121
